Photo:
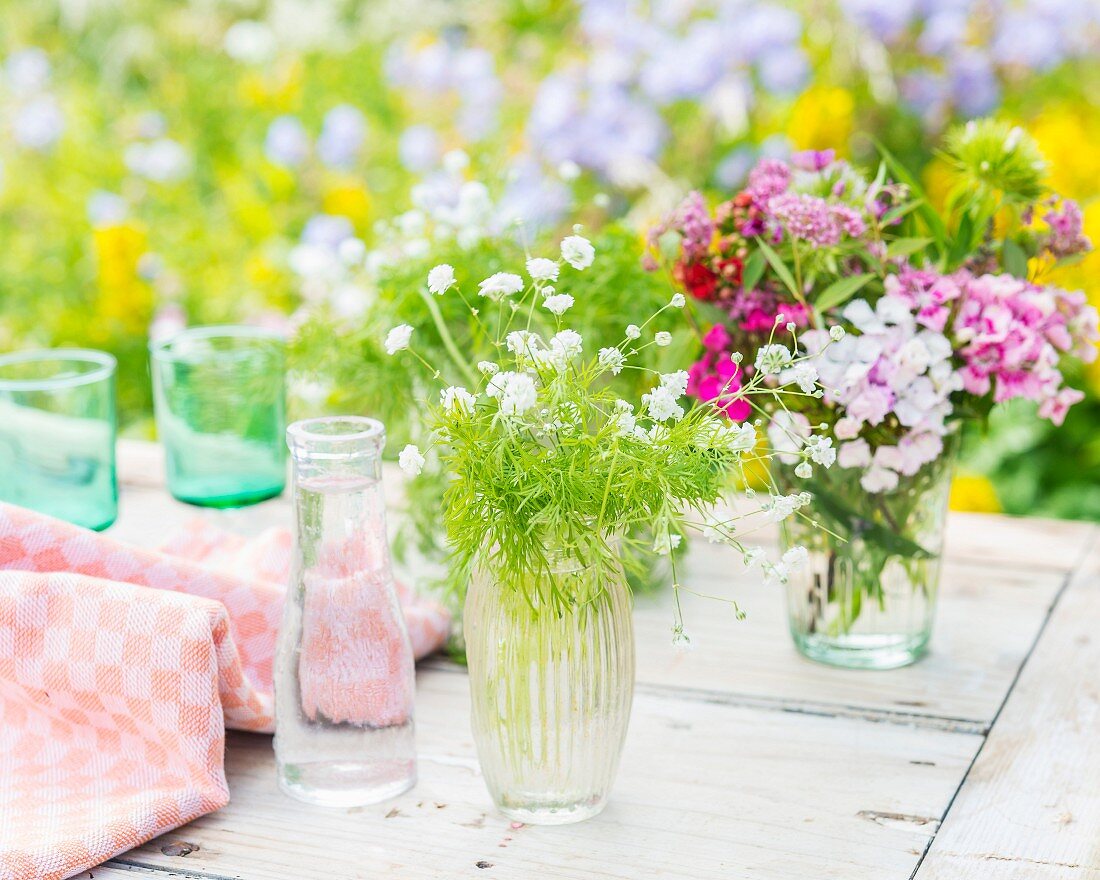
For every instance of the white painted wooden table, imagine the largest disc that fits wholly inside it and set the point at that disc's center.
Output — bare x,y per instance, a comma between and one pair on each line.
743,760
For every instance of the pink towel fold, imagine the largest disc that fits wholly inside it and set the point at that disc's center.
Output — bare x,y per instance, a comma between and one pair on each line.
120,669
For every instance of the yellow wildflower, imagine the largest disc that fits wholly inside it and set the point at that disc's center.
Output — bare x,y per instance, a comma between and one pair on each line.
348,199
975,493
125,299
821,118
1061,133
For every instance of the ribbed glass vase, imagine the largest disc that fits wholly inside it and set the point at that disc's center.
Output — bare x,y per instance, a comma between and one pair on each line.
867,597
551,689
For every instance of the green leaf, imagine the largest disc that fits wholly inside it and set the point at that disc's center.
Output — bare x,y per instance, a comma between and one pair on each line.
904,247
963,245
931,218
841,290
780,268
754,270
1015,260
853,524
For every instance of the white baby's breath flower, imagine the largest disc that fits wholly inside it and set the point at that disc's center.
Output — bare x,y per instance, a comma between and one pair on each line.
662,338
795,558
836,332
803,470
515,391
441,278
568,342
772,359
500,284
802,374
665,543
675,383
754,555
661,404
488,368
398,338
624,418
678,301
782,506
776,574
457,399
523,343
577,251
821,450
611,359
633,331
559,303
714,530
410,460
542,269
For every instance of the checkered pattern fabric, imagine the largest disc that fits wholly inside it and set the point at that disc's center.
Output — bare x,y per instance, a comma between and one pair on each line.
120,669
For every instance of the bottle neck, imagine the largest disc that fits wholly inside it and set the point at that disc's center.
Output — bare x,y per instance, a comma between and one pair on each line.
340,510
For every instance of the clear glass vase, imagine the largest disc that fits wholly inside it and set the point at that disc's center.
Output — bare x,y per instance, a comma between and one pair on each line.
344,670
867,598
551,688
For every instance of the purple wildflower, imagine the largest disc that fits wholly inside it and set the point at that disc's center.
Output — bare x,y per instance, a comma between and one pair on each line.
805,217
813,160
1066,230
769,178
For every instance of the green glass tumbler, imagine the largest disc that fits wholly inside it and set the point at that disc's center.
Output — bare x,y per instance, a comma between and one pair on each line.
220,403
57,434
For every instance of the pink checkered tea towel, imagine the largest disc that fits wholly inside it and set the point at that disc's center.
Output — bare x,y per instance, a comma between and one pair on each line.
120,669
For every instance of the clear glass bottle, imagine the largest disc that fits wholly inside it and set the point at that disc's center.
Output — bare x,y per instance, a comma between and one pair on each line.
866,599
344,671
551,689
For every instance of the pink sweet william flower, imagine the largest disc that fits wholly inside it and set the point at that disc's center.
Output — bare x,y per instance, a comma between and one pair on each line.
768,178
1012,334
927,293
714,377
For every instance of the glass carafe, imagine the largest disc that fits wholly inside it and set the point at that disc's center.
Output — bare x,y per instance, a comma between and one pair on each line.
344,672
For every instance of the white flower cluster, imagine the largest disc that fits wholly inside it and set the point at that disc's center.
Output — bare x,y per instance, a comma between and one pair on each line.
892,366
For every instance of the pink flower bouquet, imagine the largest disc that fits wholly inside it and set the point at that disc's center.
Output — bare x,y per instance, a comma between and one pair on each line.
915,320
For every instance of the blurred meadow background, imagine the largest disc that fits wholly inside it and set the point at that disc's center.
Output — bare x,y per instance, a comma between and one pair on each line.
288,163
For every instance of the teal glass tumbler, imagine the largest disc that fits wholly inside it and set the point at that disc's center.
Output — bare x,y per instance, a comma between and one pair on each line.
219,395
57,434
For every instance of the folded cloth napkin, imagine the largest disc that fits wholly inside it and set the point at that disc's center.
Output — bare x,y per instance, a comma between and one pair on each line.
120,668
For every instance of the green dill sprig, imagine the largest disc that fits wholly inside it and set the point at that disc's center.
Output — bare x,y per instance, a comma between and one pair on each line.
546,462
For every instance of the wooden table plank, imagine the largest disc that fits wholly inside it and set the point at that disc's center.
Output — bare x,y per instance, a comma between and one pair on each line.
704,791
961,684
1030,807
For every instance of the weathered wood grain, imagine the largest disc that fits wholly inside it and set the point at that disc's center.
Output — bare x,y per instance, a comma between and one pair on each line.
705,791
962,682
1030,807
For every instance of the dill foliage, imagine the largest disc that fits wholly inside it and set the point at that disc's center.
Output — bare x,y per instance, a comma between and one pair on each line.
545,458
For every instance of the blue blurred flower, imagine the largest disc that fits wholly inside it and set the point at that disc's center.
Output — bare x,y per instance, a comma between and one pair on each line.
287,142
163,160
327,231
38,123
342,136
418,148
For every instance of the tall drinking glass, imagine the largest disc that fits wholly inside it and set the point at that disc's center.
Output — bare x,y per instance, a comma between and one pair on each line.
219,397
57,434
